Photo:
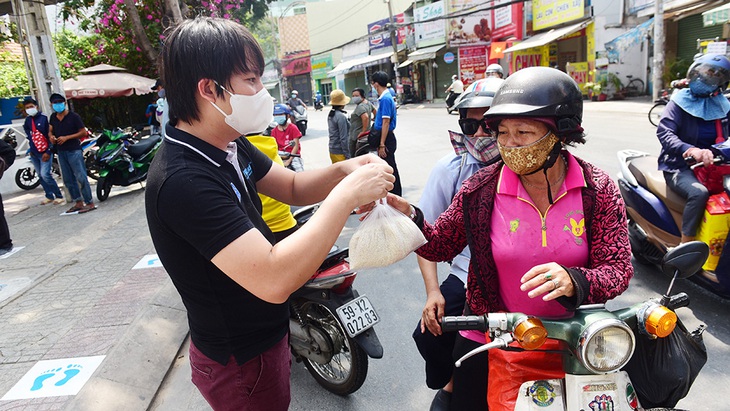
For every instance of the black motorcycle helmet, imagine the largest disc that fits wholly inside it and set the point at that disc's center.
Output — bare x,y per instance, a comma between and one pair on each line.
541,92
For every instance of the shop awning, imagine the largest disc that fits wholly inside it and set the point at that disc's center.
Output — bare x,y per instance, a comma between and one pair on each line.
547,37
360,63
405,63
426,53
716,16
631,37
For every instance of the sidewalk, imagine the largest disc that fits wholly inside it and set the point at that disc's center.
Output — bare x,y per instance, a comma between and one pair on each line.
71,293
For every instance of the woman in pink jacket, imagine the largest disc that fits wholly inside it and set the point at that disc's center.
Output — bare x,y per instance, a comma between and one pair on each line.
547,230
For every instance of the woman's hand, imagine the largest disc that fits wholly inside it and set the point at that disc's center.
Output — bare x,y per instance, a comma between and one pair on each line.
382,152
433,312
397,202
549,279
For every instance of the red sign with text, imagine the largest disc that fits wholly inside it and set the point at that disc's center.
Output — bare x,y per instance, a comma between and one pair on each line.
472,63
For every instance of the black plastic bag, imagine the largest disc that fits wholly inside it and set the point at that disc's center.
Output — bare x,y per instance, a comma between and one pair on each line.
662,370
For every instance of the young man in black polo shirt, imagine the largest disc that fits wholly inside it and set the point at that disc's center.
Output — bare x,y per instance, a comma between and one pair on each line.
66,129
205,219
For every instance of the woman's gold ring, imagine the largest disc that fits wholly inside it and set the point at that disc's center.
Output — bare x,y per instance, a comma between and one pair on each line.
556,284
548,276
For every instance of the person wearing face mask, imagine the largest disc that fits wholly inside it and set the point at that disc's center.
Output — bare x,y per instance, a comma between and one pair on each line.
695,118
359,119
287,136
474,149
338,126
161,111
36,128
547,231
381,139
66,131
205,221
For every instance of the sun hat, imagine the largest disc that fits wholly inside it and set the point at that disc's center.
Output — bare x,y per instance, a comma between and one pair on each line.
338,98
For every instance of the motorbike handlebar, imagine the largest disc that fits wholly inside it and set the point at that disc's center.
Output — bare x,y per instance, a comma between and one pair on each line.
462,322
677,301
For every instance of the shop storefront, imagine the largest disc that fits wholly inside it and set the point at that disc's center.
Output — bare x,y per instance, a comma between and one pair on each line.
296,68
321,65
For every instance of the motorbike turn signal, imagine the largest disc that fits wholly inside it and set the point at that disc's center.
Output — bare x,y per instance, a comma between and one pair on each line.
660,321
530,333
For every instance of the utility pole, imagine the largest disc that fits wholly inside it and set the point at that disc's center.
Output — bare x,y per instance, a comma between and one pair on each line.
394,43
275,34
658,69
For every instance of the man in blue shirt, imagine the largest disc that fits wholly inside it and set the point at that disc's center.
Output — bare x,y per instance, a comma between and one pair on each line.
66,132
381,138
474,149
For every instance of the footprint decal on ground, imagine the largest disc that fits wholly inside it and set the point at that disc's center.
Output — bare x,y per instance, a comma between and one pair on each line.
71,371
38,382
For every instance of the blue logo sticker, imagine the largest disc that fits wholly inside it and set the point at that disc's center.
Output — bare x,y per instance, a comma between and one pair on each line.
247,172
235,190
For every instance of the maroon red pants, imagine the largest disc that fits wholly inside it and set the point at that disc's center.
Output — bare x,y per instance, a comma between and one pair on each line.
262,383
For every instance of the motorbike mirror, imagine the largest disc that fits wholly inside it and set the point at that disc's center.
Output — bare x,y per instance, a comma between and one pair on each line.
685,259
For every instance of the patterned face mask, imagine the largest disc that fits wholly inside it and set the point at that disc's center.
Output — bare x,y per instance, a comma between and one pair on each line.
483,149
524,160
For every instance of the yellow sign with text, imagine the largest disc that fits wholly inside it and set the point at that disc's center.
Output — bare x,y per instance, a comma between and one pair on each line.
549,13
536,56
579,72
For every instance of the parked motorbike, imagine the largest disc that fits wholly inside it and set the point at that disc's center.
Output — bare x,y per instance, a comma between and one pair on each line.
595,343
122,161
27,178
331,324
299,113
655,216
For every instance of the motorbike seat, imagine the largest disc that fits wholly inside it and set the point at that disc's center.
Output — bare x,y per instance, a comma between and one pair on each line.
645,171
137,150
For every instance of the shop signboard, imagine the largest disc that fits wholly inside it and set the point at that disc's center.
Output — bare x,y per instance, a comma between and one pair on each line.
432,32
537,56
472,29
380,37
579,73
321,65
549,13
296,63
472,63
507,20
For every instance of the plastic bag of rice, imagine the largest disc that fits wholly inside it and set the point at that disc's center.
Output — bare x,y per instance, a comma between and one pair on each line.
384,237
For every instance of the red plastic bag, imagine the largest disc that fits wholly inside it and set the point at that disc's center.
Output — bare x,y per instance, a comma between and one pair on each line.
711,176
509,369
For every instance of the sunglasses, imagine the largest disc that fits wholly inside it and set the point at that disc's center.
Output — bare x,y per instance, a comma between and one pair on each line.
470,126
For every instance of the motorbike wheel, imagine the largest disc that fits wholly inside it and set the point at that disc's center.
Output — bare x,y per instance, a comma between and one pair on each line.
27,178
92,168
346,371
103,188
655,114
302,128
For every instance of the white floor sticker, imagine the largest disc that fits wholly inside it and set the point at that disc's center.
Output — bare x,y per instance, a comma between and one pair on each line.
148,261
10,287
54,378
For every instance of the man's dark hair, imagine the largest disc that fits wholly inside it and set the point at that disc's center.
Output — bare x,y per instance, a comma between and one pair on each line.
381,78
205,48
359,90
30,100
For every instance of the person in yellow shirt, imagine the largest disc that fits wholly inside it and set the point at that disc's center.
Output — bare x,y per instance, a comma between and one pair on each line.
276,214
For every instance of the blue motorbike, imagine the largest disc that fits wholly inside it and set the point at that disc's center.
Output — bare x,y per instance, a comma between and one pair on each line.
655,216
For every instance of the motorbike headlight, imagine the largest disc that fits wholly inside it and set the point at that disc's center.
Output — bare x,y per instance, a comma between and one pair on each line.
606,345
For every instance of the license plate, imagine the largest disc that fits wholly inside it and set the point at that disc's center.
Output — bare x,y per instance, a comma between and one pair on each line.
357,316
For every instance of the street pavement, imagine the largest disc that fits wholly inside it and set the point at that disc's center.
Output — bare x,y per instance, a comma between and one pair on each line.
71,292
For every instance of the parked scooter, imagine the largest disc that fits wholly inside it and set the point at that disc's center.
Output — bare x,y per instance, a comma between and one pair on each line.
318,106
299,114
655,215
595,344
123,161
331,324
27,178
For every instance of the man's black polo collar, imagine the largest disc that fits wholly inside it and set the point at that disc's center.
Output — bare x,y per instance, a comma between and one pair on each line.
211,153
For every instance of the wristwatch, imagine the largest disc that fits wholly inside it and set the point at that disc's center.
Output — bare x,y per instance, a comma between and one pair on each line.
413,213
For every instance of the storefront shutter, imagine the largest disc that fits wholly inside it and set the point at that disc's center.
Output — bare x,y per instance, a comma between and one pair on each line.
690,29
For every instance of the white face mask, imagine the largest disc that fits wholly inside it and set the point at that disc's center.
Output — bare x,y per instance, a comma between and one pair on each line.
31,111
249,114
